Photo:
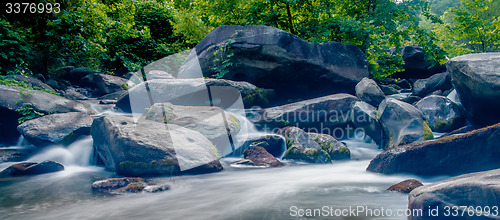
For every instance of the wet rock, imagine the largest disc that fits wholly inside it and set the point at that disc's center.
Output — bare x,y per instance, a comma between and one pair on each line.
274,144
72,94
14,155
119,185
470,190
335,149
442,114
31,168
364,116
368,91
451,155
152,148
402,123
388,90
440,81
213,122
476,80
271,58
104,83
260,157
31,81
300,146
156,188
324,112
61,128
405,186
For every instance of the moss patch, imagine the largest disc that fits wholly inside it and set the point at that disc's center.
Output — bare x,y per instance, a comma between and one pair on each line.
428,135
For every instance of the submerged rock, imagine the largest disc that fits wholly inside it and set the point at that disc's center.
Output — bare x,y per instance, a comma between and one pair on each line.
61,128
368,91
260,157
405,186
271,58
31,168
477,81
152,148
451,155
402,123
300,146
476,190
335,149
442,114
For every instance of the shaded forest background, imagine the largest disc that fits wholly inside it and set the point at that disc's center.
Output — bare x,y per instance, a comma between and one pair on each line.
119,36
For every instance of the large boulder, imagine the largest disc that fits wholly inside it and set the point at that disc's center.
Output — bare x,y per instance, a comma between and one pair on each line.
470,196
31,81
151,148
451,155
61,128
416,66
191,92
14,101
314,115
300,146
271,58
364,116
476,78
31,168
213,122
442,114
368,91
440,81
402,123
334,148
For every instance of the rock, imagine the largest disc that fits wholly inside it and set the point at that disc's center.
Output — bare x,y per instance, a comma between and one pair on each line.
477,81
315,114
411,99
416,66
76,74
13,98
213,122
453,96
260,157
55,84
402,123
388,90
245,163
274,144
335,149
364,116
119,185
159,74
442,114
451,155
104,83
107,102
62,71
156,188
72,94
30,168
114,96
271,58
404,84
31,81
151,148
300,146
368,91
405,186
470,190
191,92
440,81
61,128
14,155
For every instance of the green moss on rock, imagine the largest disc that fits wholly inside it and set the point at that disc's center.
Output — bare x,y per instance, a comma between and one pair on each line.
428,135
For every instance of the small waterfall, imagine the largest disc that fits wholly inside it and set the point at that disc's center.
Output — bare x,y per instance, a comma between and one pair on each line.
78,153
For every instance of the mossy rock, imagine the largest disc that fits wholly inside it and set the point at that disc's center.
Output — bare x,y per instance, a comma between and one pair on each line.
428,135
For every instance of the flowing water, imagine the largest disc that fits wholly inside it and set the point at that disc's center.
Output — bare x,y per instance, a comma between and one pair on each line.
289,192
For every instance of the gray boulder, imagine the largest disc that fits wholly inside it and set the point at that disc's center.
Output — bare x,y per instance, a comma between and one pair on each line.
213,122
451,155
464,193
440,81
107,84
151,148
335,149
31,81
476,78
389,89
319,113
442,114
416,66
61,128
271,58
191,92
300,146
14,98
75,75
368,91
364,116
402,123
31,168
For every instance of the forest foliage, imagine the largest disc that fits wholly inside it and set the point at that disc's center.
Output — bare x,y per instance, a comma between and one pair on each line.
118,36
